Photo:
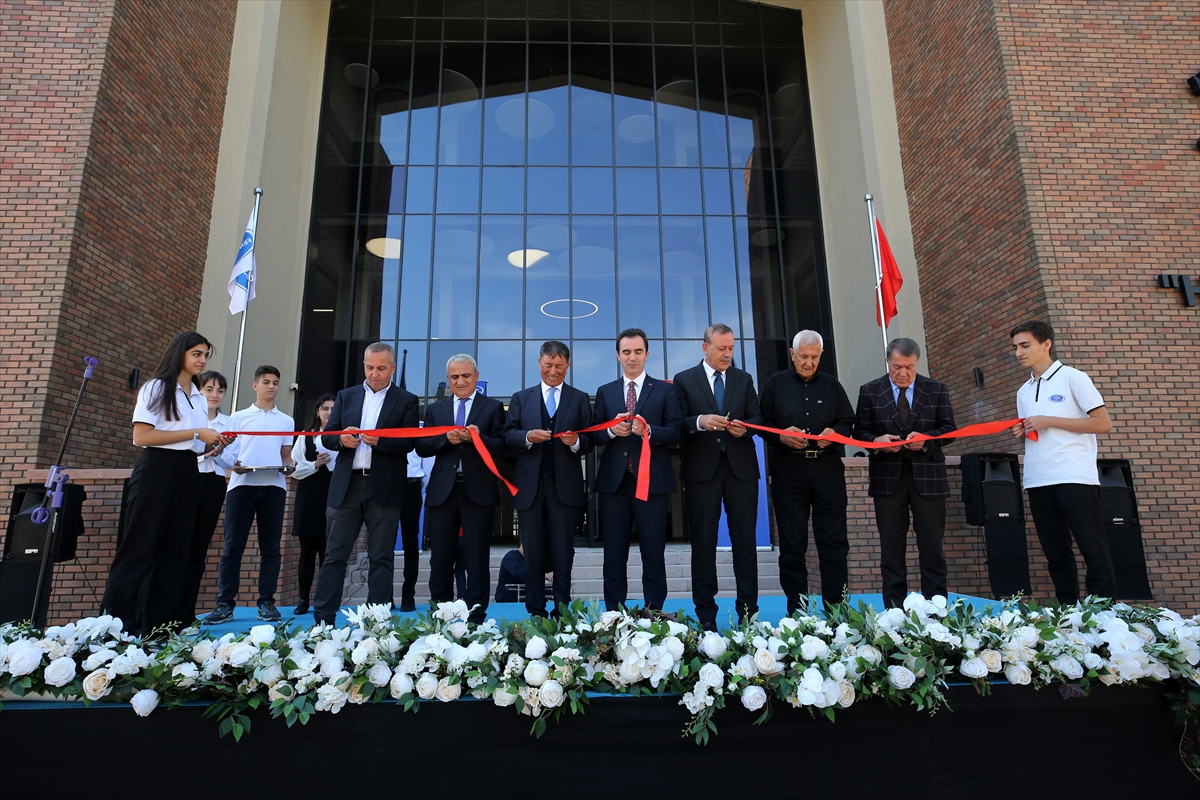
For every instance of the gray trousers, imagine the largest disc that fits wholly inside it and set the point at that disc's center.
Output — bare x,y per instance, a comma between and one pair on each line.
345,523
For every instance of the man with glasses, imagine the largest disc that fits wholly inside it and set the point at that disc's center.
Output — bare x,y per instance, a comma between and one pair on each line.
909,477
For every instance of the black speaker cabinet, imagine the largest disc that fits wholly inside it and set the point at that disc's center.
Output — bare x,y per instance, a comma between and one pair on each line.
993,501
26,539
1118,509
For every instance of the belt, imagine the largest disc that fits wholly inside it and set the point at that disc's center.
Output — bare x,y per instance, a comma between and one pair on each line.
815,453
363,472
415,480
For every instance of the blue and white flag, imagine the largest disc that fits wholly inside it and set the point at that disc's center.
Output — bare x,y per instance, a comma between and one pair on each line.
241,282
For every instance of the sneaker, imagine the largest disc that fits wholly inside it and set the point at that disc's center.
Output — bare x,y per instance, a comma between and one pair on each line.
268,612
222,613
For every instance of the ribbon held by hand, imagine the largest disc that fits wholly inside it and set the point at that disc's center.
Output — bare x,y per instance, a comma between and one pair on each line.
642,491
979,429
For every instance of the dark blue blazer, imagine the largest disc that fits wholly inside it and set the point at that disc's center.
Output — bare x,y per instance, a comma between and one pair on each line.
482,486
389,458
574,413
659,406
702,449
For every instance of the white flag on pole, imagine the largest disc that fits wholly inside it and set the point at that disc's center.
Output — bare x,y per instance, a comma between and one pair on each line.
241,282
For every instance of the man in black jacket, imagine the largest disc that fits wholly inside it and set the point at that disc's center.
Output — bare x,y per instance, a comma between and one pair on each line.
719,463
808,476
368,481
548,475
462,492
909,477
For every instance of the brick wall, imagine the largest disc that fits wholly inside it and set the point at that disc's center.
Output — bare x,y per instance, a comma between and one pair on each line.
1049,161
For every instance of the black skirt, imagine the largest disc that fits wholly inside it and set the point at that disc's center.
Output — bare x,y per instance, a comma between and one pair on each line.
308,514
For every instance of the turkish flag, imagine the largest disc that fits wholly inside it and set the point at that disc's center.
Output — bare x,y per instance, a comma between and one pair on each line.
892,280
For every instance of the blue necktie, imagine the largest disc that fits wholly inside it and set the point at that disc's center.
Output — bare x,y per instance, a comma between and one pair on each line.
460,417
551,406
719,392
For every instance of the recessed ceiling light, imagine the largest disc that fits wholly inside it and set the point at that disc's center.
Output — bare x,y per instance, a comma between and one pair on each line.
555,309
384,247
526,258
322,310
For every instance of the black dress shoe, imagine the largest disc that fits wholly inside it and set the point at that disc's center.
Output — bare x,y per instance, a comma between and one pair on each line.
408,604
709,625
302,608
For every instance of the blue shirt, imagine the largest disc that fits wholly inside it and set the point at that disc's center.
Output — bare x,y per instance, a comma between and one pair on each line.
907,393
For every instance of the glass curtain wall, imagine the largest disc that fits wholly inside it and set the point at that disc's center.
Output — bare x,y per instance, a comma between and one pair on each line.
495,174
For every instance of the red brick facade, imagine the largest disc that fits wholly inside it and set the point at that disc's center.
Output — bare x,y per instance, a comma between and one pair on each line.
1049,161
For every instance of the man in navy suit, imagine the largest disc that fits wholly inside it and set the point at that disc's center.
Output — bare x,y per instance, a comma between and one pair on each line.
909,477
462,493
549,478
368,481
719,463
655,401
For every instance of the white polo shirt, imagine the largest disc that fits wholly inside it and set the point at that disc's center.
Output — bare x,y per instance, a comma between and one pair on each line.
1059,456
220,424
192,407
258,451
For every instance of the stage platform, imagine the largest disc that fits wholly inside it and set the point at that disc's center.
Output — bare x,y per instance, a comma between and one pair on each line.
770,609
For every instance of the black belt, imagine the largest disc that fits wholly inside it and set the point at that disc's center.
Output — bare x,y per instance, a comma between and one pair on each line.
814,453
363,472
415,480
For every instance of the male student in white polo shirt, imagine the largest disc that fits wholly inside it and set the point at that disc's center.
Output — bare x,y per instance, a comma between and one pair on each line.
1063,406
255,493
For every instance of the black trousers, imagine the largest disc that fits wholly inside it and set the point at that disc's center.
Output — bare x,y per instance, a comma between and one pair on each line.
929,524
146,580
1060,511
619,511
358,508
410,528
548,535
244,506
811,487
208,512
442,524
704,499
312,556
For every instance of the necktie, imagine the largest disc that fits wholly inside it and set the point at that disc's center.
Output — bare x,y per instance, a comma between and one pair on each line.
551,406
719,392
630,406
902,409
460,417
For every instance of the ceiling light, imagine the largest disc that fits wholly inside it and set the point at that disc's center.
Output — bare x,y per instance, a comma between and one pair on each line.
323,310
586,308
385,247
526,258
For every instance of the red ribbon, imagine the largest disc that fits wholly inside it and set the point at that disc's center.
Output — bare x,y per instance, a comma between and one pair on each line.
399,433
643,469
979,429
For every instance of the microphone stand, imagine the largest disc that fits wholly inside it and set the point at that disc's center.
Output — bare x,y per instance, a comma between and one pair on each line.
52,502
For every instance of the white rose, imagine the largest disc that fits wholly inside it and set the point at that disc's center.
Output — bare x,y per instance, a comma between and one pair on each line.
892,619
971,641
391,643
400,685
186,673
535,647
754,698
674,646
813,649
992,660
241,654
144,702
262,634
97,684
787,625
973,668
631,670
550,694
23,659
325,650
766,663
60,671
503,697
1092,661
1018,674
203,650
280,691
713,645
1026,636
845,693
870,653
98,659
426,685
457,629
710,675
476,652
447,691
837,670
363,651
332,667
355,694
747,666
1068,666
330,698
536,673
379,674
901,677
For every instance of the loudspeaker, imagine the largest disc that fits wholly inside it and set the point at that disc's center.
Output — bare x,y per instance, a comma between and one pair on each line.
992,496
992,488
1118,509
18,585
26,539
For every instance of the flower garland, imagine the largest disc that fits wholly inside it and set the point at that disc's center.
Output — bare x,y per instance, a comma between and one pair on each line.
542,667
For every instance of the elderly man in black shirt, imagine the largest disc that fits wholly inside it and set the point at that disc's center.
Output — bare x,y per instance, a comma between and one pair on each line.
807,476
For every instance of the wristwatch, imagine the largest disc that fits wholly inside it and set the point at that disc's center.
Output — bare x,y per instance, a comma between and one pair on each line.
195,434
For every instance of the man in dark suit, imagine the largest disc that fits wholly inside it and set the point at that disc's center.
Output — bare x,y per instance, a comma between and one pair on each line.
462,492
549,478
719,463
368,481
907,477
655,401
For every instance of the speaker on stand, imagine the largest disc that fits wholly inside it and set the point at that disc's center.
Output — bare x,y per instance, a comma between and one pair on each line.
1118,509
992,496
22,562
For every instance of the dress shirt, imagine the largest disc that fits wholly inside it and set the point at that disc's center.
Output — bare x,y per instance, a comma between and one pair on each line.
637,392
812,406
455,400
419,467
712,384
546,389
189,402
372,404
220,424
907,393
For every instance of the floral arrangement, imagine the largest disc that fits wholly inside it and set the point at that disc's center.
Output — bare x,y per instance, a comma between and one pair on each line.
544,667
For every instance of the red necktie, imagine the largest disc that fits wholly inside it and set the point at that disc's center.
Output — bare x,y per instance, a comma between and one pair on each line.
630,406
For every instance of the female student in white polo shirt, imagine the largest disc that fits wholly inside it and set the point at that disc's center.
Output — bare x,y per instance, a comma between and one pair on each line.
170,422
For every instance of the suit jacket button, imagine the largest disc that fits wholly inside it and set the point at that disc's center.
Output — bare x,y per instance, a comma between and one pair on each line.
718,438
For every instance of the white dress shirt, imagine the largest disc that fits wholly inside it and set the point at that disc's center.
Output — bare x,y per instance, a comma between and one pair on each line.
712,384
372,405
220,424
637,392
189,402
546,390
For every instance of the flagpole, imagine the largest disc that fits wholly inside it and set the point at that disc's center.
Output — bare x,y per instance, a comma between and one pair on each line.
878,273
237,367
